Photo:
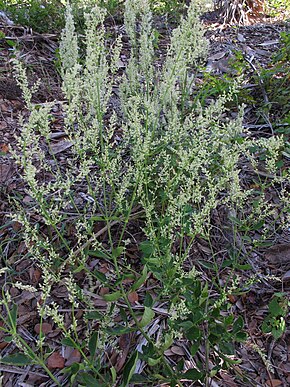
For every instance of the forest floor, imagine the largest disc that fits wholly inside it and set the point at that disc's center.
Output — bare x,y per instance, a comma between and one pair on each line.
264,361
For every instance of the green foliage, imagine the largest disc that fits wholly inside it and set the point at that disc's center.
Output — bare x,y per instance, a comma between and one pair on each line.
40,15
275,322
276,7
145,161
276,79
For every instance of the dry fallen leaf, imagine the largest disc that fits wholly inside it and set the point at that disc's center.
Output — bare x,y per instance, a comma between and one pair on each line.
55,360
60,146
104,291
16,226
4,148
35,275
217,56
4,172
45,328
74,357
133,297
177,350
286,276
274,383
124,341
3,344
279,254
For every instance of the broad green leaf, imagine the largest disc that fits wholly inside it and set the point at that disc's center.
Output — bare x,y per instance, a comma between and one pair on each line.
88,380
275,308
93,315
238,325
278,330
241,336
227,348
141,280
93,344
193,333
148,301
17,359
266,327
100,276
129,368
112,296
147,248
118,251
167,341
152,362
194,348
69,342
193,374
147,317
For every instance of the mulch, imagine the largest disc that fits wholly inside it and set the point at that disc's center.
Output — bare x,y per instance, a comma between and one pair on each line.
264,361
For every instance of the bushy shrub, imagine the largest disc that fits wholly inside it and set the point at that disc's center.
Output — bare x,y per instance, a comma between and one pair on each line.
141,160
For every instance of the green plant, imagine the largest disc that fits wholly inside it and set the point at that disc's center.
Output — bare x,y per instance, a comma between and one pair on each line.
275,322
40,15
145,164
275,80
276,7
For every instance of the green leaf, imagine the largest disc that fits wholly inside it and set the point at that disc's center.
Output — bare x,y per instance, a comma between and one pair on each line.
93,344
194,348
100,276
241,336
118,251
129,368
275,309
278,330
193,333
88,380
148,301
137,378
207,265
97,218
97,253
119,330
266,327
13,315
147,317
69,342
114,374
152,362
147,248
141,280
93,315
112,296
227,348
238,325
168,341
10,42
17,359
193,374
